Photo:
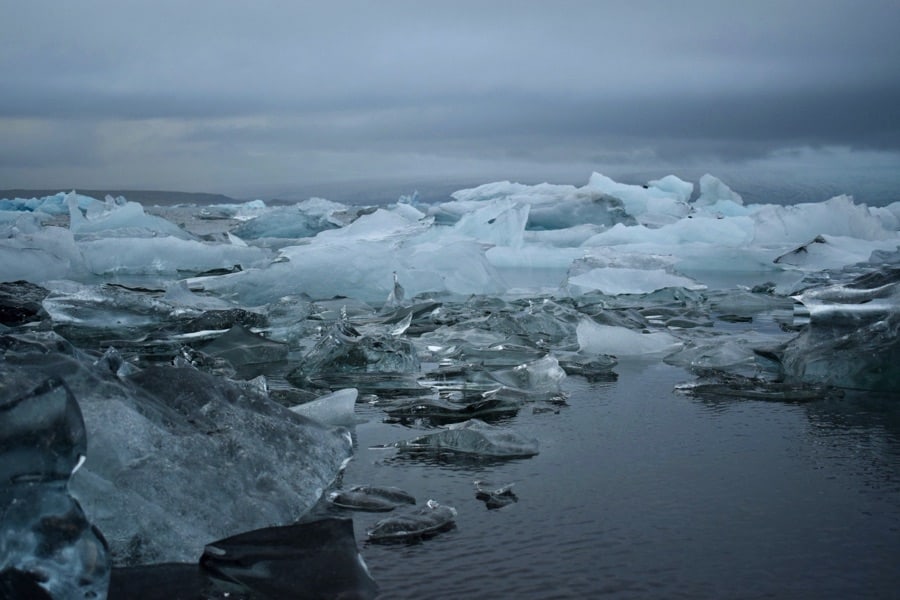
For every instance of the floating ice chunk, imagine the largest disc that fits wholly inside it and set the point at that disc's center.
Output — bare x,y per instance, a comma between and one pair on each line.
681,189
733,354
336,408
495,497
20,302
594,338
329,265
192,458
542,375
120,219
798,223
731,232
41,255
474,437
650,205
285,222
56,204
248,352
371,498
439,410
103,307
380,225
853,336
179,295
613,273
500,222
45,536
550,206
566,237
164,255
395,298
313,559
615,281
408,212
714,193
344,349
832,252
428,520
888,215
717,385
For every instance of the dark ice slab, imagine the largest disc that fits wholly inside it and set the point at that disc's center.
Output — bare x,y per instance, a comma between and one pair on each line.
20,302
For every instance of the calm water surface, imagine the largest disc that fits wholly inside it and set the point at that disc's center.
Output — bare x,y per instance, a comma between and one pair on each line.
640,491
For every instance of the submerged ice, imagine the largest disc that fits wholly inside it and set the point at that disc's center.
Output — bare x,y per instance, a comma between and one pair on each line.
216,355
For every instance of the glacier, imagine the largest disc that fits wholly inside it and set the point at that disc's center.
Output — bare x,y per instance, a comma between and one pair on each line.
218,356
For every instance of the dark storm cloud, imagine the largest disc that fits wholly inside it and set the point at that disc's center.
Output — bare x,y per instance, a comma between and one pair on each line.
205,89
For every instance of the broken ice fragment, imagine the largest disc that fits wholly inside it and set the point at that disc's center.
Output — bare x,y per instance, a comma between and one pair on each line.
336,408
474,437
371,498
423,522
495,497
46,542
314,559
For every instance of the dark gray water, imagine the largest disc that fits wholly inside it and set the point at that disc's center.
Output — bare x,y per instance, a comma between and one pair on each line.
640,491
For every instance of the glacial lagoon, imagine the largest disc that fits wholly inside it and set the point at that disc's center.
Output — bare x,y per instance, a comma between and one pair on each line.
626,390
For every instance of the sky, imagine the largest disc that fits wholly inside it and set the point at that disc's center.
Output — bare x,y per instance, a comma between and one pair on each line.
266,98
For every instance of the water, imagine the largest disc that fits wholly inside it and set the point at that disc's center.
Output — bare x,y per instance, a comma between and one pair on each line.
643,492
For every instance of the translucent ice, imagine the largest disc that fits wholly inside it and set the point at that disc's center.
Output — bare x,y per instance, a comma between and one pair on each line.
652,205
594,338
44,534
336,408
852,339
118,218
344,349
179,458
318,560
371,498
474,437
422,522
41,255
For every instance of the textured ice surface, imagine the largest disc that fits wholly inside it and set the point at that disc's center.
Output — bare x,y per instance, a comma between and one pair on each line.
853,335
421,522
594,338
371,498
336,408
178,458
318,560
45,536
474,437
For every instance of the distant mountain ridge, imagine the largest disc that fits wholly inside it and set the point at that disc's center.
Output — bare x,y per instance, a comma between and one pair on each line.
146,197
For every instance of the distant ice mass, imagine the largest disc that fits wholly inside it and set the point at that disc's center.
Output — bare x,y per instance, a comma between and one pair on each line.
481,241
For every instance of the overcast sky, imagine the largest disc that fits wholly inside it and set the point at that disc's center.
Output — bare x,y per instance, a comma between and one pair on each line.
255,98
